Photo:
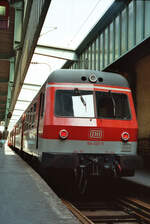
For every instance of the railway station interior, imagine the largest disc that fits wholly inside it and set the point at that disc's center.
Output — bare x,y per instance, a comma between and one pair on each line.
38,37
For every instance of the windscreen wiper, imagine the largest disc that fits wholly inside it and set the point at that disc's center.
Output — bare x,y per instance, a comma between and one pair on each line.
77,92
114,103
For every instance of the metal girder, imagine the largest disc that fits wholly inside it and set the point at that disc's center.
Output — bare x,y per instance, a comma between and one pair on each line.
10,56
15,115
34,17
123,32
56,52
19,110
109,15
18,23
29,84
24,101
10,87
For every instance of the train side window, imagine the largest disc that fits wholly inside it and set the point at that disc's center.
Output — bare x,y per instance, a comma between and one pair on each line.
34,114
18,130
25,125
42,98
25,122
30,115
34,107
28,120
122,106
63,103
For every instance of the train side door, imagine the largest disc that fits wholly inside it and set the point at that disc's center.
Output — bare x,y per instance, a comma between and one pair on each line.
40,114
22,129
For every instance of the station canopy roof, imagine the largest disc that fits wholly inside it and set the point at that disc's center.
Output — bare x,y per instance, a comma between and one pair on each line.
66,25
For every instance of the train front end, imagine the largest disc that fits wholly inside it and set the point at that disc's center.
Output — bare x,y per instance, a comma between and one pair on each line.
90,124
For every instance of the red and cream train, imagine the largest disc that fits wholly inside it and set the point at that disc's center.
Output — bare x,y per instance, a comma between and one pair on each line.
81,119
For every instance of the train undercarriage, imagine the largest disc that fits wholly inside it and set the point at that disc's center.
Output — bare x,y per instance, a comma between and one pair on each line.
85,166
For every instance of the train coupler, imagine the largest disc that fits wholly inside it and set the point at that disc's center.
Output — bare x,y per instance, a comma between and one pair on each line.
106,165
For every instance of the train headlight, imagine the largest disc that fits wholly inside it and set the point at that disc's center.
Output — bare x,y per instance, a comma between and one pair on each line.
63,134
93,78
125,136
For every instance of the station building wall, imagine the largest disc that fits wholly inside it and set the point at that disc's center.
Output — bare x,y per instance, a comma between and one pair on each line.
143,96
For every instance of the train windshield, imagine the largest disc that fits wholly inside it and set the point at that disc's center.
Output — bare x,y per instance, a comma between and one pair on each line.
83,103
112,105
74,103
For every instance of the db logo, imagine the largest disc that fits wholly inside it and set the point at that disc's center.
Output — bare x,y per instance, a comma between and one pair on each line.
96,133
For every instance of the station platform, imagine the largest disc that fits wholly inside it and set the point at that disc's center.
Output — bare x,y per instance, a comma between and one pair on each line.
24,197
142,177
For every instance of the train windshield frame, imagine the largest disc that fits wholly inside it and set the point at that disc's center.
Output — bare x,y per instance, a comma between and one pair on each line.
92,104
74,103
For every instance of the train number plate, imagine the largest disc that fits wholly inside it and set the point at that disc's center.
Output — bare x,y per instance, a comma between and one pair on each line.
126,147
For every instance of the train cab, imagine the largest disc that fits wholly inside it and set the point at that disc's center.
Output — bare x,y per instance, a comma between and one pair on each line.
82,120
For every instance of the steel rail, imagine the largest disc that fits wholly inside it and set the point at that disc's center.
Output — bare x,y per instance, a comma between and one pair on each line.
86,213
133,211
139,208
82,218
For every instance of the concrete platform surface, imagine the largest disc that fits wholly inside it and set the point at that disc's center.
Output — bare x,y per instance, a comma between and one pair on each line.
25,198
142,177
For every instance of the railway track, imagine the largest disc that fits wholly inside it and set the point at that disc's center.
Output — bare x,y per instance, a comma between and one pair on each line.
122,210
118,210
